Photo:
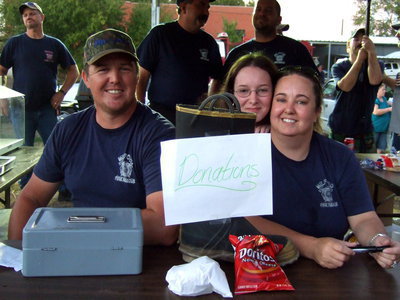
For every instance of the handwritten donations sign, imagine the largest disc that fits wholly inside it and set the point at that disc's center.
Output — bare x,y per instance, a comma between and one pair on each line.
216,177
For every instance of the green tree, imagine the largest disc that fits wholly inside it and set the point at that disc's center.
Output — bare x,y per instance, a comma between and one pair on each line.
72,21
235,36
383,13
139,23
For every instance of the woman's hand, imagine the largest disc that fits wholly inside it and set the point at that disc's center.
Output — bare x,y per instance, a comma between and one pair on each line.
264,128
389,257
331,253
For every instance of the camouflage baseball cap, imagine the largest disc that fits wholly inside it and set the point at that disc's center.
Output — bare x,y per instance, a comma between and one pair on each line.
106,42
31,5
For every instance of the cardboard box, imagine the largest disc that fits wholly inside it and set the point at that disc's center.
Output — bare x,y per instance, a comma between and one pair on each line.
83,241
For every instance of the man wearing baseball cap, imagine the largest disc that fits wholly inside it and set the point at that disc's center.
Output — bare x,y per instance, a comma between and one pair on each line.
36,77
394,84
357,80
108,154
178,59
34,58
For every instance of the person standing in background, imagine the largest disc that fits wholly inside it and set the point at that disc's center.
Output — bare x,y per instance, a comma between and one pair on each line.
178,59
381,119
34,58
394,84
322,74
282,50
357,81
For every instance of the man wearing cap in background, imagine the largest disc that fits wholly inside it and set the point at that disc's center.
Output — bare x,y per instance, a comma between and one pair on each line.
395,86
178,58
357,81
109,154
34,58
282,50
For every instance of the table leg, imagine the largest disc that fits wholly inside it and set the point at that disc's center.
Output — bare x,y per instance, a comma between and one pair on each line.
7,200
7,196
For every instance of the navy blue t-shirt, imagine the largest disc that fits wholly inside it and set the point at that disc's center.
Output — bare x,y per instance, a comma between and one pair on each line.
282,50
315,196
106,167
181,64
34,63
352,113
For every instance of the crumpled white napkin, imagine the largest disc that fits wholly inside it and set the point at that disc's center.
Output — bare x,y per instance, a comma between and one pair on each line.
201,276
10,257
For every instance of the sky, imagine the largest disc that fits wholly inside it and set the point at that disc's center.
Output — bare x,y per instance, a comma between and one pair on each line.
318,19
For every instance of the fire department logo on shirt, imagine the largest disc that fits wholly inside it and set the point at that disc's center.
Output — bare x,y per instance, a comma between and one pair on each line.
125,163
204,54
280,58
49,56
326,188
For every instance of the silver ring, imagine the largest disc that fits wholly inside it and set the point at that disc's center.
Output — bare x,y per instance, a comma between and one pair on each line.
394,264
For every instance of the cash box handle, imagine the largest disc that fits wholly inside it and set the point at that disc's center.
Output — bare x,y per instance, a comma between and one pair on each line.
86,219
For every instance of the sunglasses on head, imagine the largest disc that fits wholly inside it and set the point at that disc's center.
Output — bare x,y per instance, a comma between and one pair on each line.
306,71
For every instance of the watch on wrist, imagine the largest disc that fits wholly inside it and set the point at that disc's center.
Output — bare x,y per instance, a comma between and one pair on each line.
62,91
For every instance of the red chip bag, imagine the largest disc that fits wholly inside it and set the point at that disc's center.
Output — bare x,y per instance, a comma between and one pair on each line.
255,266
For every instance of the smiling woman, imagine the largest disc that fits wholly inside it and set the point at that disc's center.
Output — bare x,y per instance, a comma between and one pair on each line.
321,174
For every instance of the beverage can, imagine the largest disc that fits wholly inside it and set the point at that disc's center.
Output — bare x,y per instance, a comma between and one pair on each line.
349,142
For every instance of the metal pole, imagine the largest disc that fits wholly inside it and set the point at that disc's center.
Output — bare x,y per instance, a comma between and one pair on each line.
155,13
368,17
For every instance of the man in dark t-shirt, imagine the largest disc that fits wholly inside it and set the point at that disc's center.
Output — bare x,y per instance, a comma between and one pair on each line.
282,50
178,59
34,58
109,154
357,80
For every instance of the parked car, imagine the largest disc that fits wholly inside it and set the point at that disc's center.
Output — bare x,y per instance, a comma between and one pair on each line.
392,68
329,96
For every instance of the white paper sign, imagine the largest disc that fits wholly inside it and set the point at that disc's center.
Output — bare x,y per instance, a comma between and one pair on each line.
216,177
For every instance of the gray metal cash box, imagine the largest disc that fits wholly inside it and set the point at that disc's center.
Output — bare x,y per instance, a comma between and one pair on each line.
83,241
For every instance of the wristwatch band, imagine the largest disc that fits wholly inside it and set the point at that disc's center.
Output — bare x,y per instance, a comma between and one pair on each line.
62,91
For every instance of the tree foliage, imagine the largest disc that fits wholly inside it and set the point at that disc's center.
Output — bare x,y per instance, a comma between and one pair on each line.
72,21
139,23
383,14
230,28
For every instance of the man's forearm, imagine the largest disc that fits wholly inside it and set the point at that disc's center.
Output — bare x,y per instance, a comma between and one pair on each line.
3,70
374,71
390,82
154,230
348,81
141,87
20,215
70,78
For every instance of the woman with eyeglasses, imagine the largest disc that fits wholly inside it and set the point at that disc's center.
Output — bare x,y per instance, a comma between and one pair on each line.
251,79
319,188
